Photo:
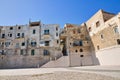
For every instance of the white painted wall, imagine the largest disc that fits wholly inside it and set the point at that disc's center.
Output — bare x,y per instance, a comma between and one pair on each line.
108,56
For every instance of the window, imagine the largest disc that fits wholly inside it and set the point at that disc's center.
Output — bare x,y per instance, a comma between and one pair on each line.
81,50
3,35
22,35
11,28
56,34
98,47
21,52
56,28
57,41
118,41
10,35
34,31
77,43
102,36
19,27
81,43
32,52
18,34
76,51
116,30
17,45
46,32
23,44
89,29
7,44
46,52
46,43
97,23
33,44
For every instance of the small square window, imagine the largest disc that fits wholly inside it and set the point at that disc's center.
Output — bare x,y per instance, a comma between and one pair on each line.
23,44
97,23
47,43
18,34
11,28
3,35
19,27
46,32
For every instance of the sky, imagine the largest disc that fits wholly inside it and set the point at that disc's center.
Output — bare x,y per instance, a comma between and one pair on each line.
14,12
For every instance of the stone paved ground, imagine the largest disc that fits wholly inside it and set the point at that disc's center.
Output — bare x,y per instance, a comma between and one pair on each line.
61,76
70,73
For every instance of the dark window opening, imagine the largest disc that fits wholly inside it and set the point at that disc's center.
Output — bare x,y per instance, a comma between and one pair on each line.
33,44
19,27
77,43
3,35
81,50
76,51
89,29
23,44
46,32
57,41
2,53
97,23
10,35
46,53
46,43
11,28
81,43
34,31
18,34
23,35
118,41
32,52
81,55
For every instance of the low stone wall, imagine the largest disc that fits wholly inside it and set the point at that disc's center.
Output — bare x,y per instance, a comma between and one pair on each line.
15,61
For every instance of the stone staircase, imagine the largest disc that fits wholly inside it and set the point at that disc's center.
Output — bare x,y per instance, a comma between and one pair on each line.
61,62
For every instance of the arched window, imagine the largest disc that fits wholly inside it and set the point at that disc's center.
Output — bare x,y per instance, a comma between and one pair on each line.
81,50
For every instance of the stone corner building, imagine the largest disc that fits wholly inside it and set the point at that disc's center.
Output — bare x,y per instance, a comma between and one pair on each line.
95,42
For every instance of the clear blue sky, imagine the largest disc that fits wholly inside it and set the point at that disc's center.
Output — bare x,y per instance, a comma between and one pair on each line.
53,11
